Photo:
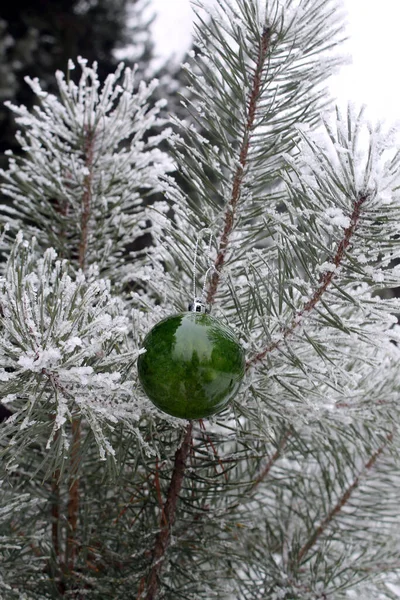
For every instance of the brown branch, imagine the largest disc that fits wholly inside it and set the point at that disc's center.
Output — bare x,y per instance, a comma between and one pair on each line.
208,441
55,493
168,515
265,472
325,281
55,523
73,501
55,512
131,501
320,530
239,174
158,488
142,586
86,198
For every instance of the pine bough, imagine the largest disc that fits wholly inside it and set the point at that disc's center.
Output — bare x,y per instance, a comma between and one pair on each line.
292,492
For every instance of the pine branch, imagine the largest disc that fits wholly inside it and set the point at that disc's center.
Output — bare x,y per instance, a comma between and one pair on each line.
325,281
73,502
319,531
238,177
37,552
276,455
168,515
249,93
55,523
55,495
55,512
86,199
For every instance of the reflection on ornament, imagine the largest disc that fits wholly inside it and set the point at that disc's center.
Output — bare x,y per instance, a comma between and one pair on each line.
193,365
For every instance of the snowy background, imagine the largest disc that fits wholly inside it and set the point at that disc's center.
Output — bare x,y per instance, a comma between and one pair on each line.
373,78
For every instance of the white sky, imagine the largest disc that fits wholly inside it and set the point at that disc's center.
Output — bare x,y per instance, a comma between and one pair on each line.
372,79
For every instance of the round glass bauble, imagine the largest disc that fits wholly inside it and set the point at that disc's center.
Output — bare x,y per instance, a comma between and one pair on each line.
193,365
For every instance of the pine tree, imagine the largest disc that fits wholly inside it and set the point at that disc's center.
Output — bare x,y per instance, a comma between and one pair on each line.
36,39
291,492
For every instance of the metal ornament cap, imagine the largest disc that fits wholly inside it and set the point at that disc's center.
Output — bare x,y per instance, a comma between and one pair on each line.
193,365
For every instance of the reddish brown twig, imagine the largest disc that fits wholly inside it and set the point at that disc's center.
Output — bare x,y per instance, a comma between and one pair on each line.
325,281
169,514
158,491
341,502
55,495
73,501
265,472
239,174
208,441
142,586
86,199
55,513
131,501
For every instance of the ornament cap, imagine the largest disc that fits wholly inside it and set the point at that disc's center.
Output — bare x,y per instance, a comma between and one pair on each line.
198,306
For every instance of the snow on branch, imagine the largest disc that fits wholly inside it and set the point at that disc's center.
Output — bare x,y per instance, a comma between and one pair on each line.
96,145
64,343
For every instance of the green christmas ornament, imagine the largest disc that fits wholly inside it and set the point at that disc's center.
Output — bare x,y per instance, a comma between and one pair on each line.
193,364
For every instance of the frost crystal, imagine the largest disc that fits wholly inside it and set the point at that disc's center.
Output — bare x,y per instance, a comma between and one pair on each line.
67,343
90,144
